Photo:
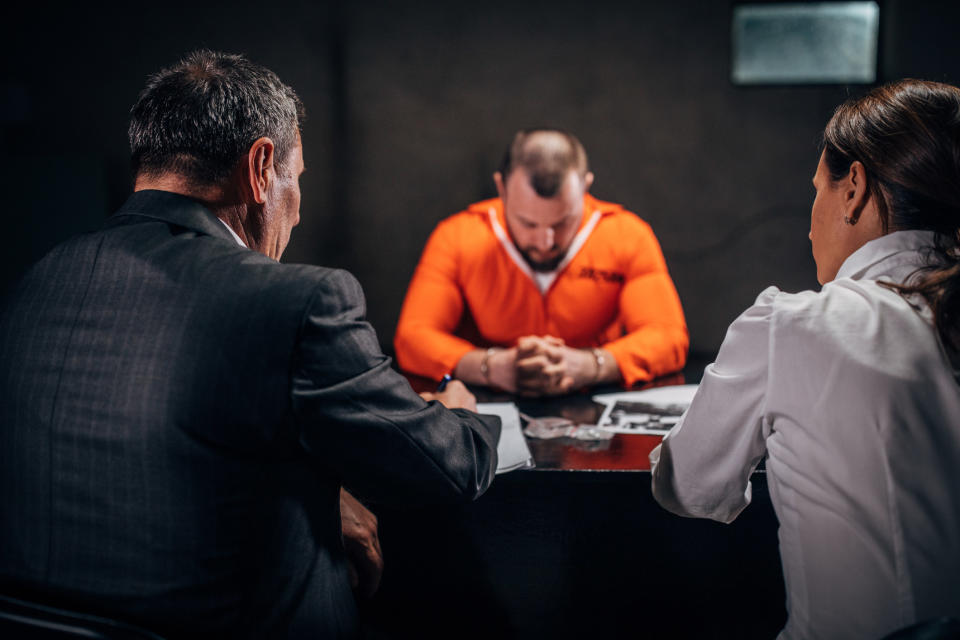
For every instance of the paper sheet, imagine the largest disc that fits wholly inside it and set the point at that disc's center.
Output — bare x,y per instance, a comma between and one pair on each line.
512,449
653,411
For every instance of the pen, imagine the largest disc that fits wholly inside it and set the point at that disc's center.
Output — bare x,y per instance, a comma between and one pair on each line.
443,382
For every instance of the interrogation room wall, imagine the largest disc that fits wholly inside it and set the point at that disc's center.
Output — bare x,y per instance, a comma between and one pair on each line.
411,104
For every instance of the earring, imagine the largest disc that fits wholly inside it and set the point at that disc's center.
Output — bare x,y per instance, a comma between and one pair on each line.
849,220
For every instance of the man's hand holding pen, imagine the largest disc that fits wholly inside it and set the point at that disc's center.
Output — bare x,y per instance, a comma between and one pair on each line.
453,394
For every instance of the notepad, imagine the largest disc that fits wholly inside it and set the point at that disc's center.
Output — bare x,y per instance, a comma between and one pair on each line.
512,449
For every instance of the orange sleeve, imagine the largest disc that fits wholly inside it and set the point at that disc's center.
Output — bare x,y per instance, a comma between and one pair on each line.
424,341
656,338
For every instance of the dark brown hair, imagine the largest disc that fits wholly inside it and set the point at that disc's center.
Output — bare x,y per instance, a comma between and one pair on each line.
907,136
547,155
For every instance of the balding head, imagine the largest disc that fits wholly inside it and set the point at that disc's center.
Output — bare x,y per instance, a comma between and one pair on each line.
547,157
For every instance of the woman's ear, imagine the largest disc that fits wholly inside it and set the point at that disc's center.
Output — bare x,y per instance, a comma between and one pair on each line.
856,192
860,207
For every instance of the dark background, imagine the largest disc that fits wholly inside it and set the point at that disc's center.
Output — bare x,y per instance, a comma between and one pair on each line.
411,104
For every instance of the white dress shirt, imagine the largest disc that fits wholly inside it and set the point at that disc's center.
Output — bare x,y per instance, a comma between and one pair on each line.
852,399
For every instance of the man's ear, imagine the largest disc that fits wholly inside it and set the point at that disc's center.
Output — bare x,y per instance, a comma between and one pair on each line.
501,186
260,169
855,191
587,181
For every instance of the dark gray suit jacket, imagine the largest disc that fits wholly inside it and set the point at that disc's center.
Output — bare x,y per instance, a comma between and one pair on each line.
177,414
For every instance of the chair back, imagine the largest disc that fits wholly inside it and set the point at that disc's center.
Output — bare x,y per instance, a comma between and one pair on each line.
938,629
26,620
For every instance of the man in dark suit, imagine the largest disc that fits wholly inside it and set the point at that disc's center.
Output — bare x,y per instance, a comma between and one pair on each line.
179,411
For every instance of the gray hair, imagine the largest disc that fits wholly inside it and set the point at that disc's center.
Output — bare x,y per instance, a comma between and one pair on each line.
200,116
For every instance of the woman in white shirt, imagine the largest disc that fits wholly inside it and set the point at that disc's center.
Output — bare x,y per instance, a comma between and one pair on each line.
851,393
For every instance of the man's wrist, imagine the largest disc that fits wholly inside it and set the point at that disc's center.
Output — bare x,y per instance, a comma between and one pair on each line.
589,367
502,369
599,359
485,366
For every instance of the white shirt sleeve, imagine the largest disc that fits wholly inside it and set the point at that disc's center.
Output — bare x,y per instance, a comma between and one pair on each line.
702,469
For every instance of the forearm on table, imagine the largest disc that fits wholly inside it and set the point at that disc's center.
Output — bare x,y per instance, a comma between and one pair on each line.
424,342
468,368
496,367
706,460
656,338
592,366
488,367
702,468
426,351
650,352
606,367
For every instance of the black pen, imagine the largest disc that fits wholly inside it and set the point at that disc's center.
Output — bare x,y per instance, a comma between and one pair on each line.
443,382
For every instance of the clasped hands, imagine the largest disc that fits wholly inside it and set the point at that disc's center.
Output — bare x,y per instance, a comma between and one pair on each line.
542,365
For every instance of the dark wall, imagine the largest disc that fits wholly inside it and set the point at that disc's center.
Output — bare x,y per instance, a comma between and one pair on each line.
411,104
70,76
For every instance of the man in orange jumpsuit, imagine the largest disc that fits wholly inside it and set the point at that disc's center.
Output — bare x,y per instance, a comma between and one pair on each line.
544,289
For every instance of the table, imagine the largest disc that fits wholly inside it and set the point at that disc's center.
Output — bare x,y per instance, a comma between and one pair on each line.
577,547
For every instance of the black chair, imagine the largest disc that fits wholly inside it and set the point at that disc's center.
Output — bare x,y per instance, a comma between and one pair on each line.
23,620
938,629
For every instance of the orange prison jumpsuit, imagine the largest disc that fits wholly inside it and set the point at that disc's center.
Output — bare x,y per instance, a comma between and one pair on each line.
472,289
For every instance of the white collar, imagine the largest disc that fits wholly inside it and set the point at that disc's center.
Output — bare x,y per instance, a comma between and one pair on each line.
896,254
234,234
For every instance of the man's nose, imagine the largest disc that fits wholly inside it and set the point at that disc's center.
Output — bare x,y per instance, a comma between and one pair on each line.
545,239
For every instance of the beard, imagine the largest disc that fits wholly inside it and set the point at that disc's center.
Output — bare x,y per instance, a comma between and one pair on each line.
542,266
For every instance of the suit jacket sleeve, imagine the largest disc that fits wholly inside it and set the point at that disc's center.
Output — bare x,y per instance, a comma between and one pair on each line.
362,421
656,340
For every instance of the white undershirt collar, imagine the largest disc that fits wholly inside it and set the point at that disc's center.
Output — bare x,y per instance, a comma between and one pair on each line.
234,234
